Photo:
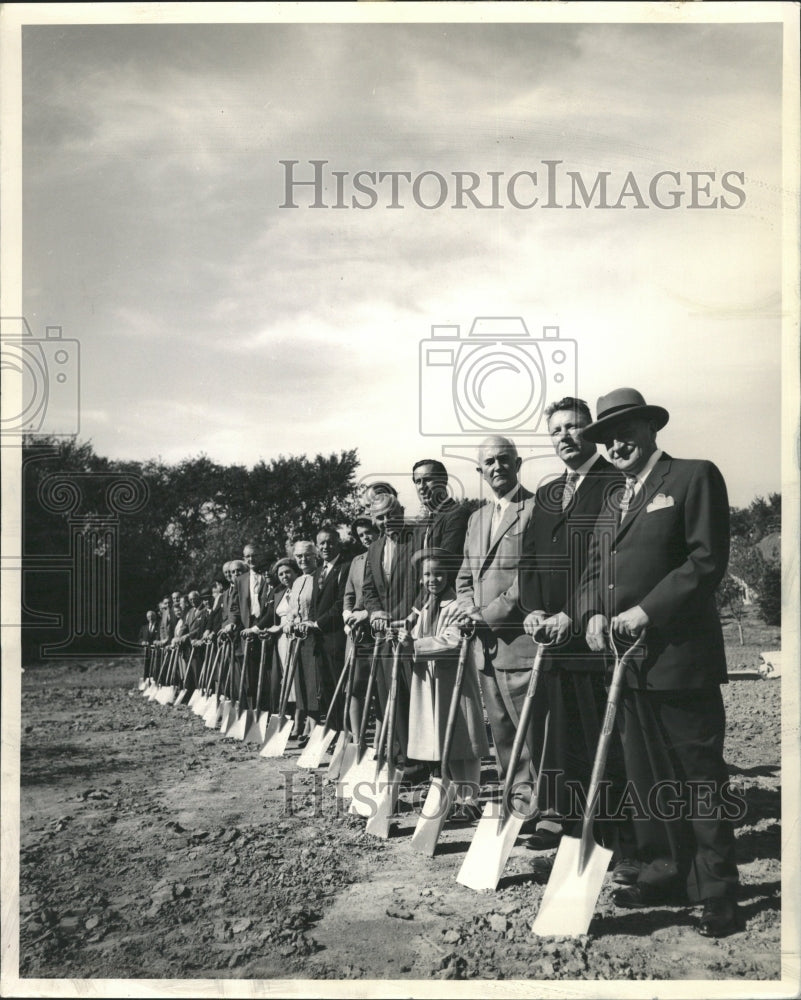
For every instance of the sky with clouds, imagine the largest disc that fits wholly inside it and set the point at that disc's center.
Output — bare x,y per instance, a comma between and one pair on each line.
212,320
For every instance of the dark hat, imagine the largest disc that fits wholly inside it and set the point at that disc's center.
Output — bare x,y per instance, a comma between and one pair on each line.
432,553
618,405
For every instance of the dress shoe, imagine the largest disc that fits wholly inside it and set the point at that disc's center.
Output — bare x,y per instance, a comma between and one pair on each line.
464,812
303,740
634,897
543,840
626,871
720,917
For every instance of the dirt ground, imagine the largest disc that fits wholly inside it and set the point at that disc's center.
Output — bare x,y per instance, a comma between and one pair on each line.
151,847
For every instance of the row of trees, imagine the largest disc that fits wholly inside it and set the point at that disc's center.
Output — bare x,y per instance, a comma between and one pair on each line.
177,524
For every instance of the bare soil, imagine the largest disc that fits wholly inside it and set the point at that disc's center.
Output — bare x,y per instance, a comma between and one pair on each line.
151,847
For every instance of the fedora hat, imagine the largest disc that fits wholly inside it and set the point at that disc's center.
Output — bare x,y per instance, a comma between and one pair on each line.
618,405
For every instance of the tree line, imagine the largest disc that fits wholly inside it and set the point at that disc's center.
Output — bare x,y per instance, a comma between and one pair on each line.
196,514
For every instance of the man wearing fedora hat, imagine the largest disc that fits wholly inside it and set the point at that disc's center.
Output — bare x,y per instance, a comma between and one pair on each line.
658,553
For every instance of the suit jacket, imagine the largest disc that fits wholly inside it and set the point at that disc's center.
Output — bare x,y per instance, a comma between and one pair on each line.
327,599
444,529
556,547
195,623
215,618
149,634
352,599
243,597
395,595
488,579
668,557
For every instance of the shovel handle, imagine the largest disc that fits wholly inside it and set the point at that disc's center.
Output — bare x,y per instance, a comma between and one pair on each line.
612,702
386,751
349,694
262,661
241,690
343,674
520,733
453,709
368,697
290,675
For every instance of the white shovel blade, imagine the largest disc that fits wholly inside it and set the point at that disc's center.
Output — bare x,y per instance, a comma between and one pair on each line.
359,773
337,758
240,725
228,716
194,698
181,696
257,733
212,716
142,683
433,815
489,850
201,705
384,801
568,902
319,742
275,745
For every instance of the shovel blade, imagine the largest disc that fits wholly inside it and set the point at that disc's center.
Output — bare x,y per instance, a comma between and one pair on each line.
568,902
212,716
275,744
489,850
142,683
437,806
240,725
349,760
358,782
257,732
228,716
384,801
319,742
201,705
171,695
180,697
337,757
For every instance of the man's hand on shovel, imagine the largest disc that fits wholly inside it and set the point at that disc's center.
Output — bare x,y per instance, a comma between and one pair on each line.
597,631
630,623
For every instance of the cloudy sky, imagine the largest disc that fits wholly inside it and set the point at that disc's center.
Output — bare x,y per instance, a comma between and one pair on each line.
213,320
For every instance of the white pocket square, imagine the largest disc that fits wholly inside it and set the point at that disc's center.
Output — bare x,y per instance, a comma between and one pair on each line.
659,502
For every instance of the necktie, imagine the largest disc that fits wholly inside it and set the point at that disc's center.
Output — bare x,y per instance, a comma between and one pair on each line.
628,496
389,547
496,518
255,607
569,489
323,573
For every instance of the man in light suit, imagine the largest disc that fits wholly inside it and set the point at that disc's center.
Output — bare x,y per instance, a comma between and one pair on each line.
656,571
487,592
254,588
555,546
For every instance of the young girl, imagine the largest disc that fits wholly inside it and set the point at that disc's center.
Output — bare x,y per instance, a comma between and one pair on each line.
436,654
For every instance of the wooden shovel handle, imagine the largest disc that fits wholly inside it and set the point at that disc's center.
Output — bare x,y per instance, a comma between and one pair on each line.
241,690
342,675
262,660
368,697
453,709
520,732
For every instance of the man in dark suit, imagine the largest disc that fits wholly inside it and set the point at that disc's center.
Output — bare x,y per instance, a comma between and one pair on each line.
254,588
445,523
149,632
328,593
388,593
555,548
487,590
657,572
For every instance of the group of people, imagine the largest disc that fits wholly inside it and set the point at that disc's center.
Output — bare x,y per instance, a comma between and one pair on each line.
634,543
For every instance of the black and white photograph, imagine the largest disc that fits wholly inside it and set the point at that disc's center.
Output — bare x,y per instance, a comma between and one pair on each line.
400,499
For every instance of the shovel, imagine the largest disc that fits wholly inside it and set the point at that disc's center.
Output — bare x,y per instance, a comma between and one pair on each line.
228,713
356,759
213,712
442,792
152,691
242,718
189,672
499,827
578,872
280,725
344,739
197,694
387,779
257,731
321,736
202,704
169,692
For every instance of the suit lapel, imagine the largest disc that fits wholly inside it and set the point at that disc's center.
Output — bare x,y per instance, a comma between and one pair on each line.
508,518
